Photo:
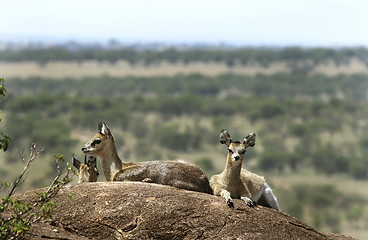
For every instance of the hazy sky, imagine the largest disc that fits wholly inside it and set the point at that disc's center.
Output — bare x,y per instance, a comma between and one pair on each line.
241,22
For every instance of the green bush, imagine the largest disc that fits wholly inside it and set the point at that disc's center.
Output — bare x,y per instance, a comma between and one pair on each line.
272,160
295,208
358,168
298,129
318,204
271,110
355,212
206,164
328,160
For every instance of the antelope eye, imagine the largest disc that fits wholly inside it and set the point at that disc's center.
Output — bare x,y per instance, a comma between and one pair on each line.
242,152
97,141
230,151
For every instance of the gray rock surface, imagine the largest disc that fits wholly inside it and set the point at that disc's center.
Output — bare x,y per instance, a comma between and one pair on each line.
135,210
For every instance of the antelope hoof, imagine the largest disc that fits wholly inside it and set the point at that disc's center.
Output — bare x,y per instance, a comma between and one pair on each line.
230,203
248,201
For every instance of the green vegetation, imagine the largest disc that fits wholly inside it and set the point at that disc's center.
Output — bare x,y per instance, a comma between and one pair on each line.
323,206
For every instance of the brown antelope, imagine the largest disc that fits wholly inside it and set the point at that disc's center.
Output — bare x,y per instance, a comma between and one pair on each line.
88,171
174,173
236,182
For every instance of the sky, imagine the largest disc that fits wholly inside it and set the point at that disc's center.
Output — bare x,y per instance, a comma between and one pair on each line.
238,22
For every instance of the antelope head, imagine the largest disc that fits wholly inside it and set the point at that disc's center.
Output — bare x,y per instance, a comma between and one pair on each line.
88,171
101,143
236,149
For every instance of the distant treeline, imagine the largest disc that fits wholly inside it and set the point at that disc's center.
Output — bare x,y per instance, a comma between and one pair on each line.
242,56
280,86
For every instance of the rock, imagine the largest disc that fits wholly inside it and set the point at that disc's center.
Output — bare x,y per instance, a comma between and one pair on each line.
135,210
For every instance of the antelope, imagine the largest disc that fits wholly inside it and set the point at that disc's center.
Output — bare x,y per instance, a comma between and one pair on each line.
178,174
88,171
237,182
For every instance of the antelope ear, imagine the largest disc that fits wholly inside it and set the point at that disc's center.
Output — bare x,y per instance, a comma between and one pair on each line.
225,138
76,162
250,140
99,127
105,130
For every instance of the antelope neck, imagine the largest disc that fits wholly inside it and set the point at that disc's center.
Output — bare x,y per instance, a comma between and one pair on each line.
231,170
111,163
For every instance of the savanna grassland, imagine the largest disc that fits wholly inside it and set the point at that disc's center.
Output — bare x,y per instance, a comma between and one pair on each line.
308,108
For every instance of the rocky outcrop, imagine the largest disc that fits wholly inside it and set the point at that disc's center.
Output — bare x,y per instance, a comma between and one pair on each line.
134,210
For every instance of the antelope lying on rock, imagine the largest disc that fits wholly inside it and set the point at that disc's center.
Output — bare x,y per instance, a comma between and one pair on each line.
174,173
235,182
88,171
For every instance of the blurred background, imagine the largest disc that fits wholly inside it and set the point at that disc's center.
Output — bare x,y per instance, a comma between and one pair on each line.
168,76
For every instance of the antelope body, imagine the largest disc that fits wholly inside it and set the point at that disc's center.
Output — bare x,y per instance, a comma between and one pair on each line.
235,182
88,171
174,173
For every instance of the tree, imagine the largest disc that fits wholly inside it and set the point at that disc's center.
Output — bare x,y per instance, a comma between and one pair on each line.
4,139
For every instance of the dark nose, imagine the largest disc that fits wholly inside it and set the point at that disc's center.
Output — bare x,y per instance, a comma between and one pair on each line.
83,149
236,158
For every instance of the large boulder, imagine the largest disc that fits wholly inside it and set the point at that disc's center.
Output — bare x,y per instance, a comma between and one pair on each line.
135,210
